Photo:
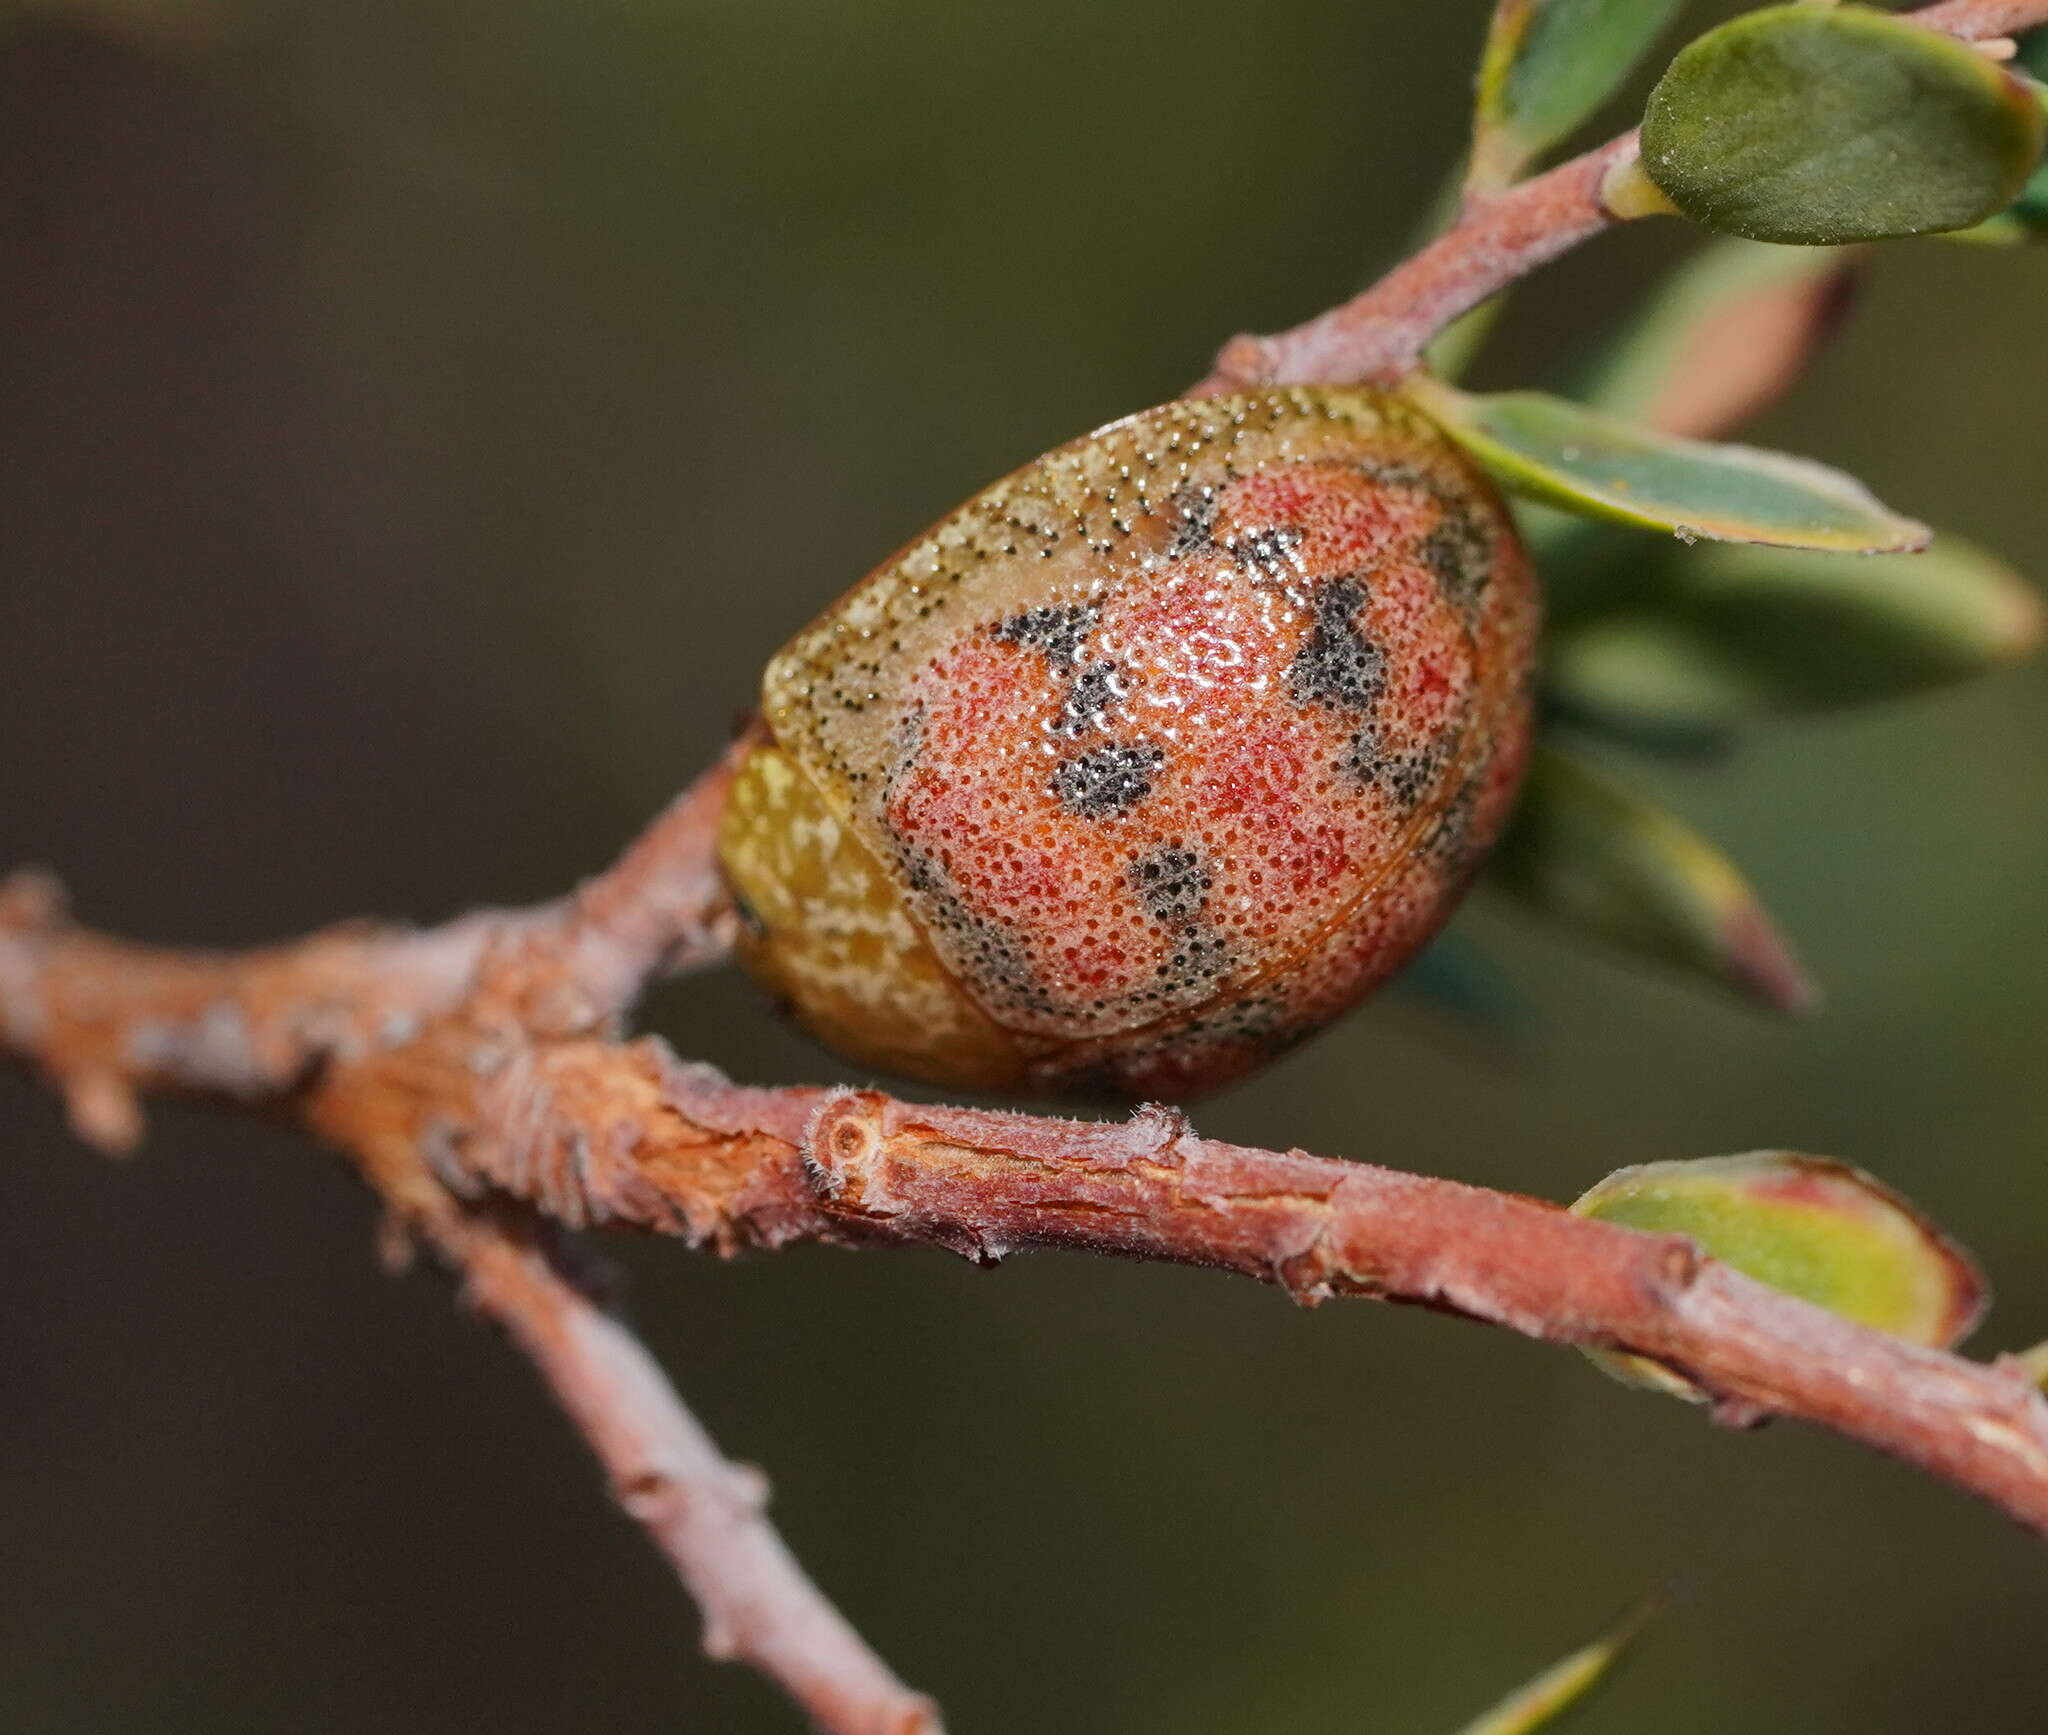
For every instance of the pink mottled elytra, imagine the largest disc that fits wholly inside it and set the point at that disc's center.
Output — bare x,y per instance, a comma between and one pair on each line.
1147,761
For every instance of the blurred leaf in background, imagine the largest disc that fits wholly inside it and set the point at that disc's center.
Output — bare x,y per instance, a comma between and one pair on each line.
1546,67
1692,648
1586,854
1544,1699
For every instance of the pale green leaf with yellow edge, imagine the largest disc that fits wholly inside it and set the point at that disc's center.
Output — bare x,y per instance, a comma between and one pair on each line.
1716,342
1568,456
1607,864
1809,1226
1827,124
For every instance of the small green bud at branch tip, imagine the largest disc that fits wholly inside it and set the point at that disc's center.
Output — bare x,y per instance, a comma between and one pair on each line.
1628,193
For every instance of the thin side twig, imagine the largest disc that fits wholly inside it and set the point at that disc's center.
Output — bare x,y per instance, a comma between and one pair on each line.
1379,335
702,1511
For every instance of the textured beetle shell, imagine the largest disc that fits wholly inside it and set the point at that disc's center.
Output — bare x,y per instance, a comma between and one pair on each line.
1148,760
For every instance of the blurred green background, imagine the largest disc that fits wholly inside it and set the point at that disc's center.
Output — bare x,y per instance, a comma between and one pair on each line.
419,419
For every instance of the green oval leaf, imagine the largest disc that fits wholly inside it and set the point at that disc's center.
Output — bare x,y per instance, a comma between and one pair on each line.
1719,637
1824,124
1812,1227
1566,455
1609,865
1547,65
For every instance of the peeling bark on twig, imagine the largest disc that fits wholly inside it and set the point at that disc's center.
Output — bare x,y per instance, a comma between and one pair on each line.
597,1132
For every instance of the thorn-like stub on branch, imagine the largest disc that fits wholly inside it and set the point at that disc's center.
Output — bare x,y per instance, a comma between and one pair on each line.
1304,1275
919,1716
653,1495
1156,1128
1737,1415
1678,1264
749,1487
103,1111
1243,362
397,1244
218,1044
721,1640
487,1056
442,1145
843,1145
32,901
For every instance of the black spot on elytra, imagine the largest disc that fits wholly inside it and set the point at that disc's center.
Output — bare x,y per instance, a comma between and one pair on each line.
1093,690
1365,757
1459,553
1267,550
1107,781
1091,696
1336,665
1396,474
1058,632
1196,532
1171,883
998,967
906,741
1252,1018
1407,774
1459,549
1200,957
1451,841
